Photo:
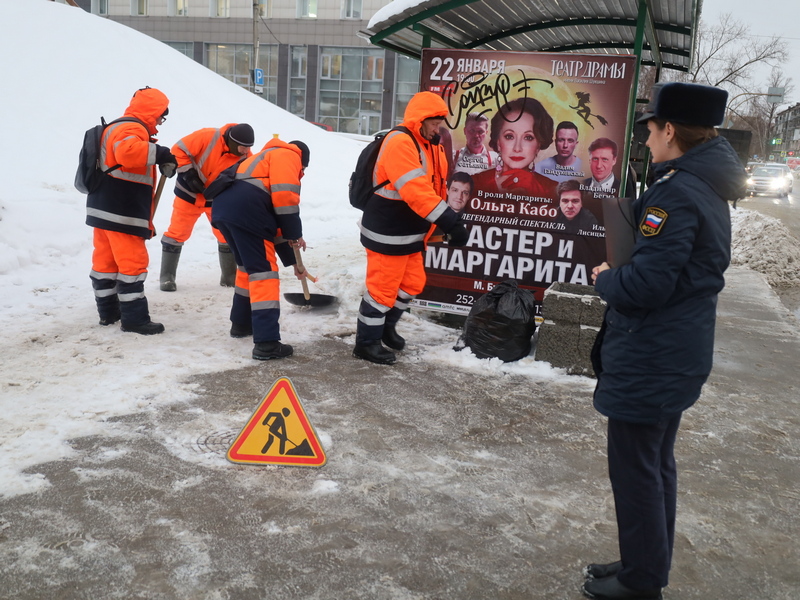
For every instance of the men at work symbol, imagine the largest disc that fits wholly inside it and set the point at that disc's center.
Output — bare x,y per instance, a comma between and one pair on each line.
277,429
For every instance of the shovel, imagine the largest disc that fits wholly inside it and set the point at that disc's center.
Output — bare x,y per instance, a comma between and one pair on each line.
307,299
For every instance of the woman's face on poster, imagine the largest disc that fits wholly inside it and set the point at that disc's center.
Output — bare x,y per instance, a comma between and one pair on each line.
517,145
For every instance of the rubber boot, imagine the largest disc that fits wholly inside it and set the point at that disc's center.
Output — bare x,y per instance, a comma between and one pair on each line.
136,318
169,265
390,336
227,265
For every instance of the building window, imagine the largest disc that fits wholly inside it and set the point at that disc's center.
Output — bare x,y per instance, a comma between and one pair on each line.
350,99
186,48
265,9
406,85
297,81
139,8
178,8
351,9
306,9
233,62
222,8
99,7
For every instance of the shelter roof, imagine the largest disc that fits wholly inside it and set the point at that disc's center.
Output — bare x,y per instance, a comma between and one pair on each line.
600,26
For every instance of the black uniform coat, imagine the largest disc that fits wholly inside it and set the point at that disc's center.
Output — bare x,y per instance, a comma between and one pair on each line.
659,331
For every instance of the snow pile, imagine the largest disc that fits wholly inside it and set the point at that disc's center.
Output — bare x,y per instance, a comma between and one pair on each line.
763,244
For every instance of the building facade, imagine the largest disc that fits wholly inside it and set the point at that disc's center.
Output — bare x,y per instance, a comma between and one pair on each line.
313,62
786,135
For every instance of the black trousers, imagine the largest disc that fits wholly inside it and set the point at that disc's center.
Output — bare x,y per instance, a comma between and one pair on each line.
644,479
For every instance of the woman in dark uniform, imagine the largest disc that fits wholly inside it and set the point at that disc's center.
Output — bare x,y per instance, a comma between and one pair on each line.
655,350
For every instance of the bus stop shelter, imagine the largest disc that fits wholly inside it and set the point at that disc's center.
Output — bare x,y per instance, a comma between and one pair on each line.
660,33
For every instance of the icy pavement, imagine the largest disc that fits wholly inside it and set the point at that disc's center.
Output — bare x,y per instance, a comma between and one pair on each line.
440,483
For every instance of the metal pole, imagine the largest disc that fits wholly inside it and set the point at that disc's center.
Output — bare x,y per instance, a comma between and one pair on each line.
255,42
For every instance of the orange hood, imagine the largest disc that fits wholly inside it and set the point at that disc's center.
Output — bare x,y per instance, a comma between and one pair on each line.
423,105
147,105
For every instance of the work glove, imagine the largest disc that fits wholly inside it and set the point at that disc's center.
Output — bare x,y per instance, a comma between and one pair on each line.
457,236
192,181
166,161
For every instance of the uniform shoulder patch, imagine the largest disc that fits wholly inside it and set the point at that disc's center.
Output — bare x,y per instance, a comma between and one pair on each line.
653,221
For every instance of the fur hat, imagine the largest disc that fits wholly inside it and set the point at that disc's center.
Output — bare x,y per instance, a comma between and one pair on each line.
304,151
686,103
242,135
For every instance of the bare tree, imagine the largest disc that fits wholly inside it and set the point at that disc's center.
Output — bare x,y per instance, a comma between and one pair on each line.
727,55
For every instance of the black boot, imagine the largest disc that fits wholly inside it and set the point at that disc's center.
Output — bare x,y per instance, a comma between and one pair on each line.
227,266
610,588
393,339
270,350
148,328
241,331
170,255
374,352
598,571
111,317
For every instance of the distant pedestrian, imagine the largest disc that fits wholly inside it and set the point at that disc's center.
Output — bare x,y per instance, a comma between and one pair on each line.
121,212
202,156
654,351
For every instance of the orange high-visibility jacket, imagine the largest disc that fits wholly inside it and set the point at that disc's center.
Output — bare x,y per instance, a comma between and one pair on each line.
124,199
400,215
206,152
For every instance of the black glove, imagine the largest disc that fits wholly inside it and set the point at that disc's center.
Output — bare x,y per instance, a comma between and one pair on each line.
457,236
192,181
166,161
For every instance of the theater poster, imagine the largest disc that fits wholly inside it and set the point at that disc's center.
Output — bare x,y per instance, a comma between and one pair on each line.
534,140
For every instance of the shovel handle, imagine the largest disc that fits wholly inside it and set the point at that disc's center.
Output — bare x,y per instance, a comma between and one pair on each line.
302,269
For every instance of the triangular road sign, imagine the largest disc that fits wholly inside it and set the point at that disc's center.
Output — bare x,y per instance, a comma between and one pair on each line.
278,433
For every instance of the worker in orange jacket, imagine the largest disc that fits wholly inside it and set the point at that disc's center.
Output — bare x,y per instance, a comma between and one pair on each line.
121,211
259,215
202,156
398,219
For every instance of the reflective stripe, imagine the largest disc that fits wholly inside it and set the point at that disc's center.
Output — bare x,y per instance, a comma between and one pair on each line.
367,297
184,168
170,241
107,216
265,305
201,162
255,181
286,210
241,291
285,187
263,276
133,177
412,174
132,278
437,212
393,240
391,194
403,300
106,293
107,276
185,191
131,297
372,321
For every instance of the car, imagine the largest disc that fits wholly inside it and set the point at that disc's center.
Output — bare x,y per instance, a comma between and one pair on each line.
785,170
322,126
769,179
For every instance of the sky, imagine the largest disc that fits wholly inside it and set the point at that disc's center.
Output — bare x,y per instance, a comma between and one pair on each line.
62,375
765,19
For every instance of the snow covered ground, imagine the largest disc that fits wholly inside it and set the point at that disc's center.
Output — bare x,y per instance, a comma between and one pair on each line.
62,376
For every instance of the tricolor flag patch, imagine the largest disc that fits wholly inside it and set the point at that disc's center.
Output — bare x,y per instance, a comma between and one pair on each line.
653,221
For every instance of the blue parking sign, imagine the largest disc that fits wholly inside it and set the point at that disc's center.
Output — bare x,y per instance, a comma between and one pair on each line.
258,76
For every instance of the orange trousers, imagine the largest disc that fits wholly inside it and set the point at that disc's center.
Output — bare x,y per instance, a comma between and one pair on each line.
184,217
387,275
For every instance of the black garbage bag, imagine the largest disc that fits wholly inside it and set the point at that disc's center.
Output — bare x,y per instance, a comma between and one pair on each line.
501,323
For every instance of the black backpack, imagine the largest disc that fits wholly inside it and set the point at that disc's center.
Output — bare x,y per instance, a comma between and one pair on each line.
89,174
361,188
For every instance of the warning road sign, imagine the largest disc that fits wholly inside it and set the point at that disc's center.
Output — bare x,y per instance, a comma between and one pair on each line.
278,433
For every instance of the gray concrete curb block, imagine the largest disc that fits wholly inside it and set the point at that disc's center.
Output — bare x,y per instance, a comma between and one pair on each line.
572,316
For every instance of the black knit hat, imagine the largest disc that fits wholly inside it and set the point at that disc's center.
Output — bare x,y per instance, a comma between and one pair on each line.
305,152
686,103
242,135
